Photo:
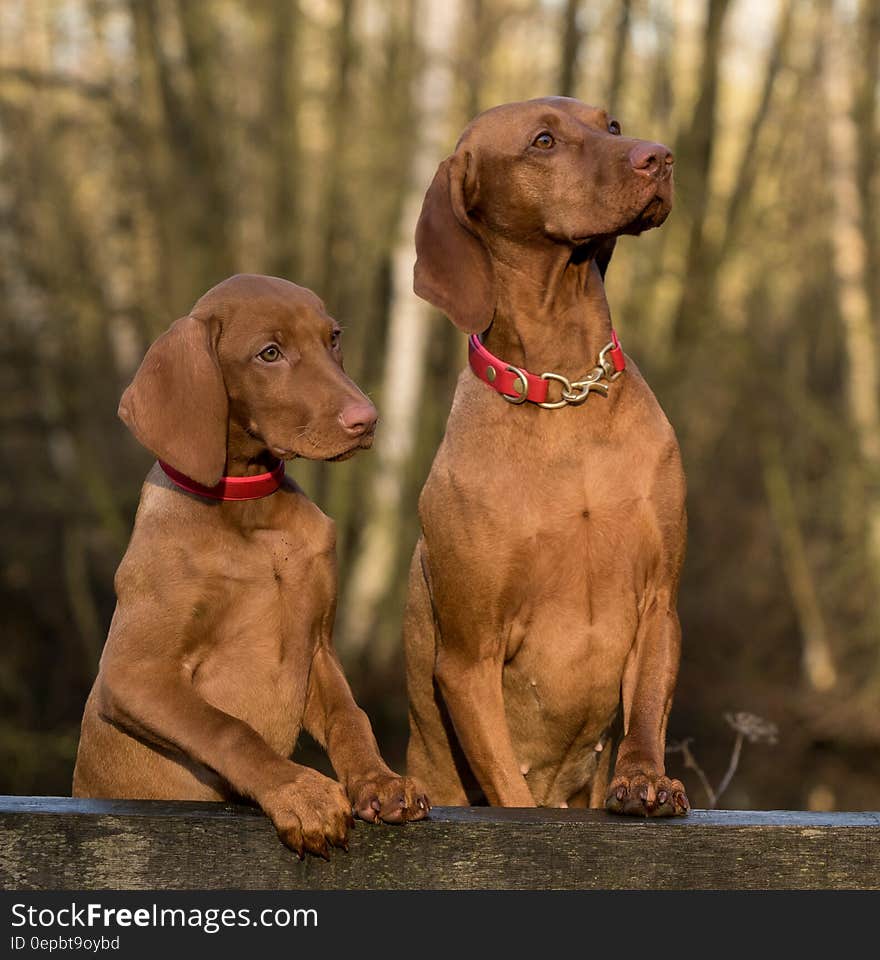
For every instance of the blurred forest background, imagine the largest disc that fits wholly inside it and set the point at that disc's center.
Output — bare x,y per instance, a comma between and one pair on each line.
149,148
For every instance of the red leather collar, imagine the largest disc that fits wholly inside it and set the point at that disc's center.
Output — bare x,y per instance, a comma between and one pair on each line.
230,488
500,376
508,380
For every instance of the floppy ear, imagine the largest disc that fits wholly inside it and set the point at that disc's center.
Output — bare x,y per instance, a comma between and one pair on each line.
453,270
603,254
176,406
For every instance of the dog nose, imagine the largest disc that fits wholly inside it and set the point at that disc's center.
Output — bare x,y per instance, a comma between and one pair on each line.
651,159
358,418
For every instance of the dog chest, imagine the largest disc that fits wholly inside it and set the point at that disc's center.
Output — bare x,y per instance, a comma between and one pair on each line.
264,626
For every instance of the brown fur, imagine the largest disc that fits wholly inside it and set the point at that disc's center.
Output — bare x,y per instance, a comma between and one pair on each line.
542,607
220,647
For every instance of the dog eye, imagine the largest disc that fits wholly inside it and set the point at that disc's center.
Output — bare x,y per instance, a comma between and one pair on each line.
614,127
270,354
544,141
335,337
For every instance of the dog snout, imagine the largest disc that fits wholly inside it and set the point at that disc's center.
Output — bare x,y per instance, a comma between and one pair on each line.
651,160
359,418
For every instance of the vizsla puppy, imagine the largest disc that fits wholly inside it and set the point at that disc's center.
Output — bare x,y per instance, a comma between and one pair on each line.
541,627
220,647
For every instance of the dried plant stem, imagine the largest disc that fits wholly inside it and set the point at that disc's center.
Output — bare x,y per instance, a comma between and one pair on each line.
731,768
690,762
746,726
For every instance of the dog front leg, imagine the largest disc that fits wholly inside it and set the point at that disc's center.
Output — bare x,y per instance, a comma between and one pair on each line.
474,697
150,700
334,719
640,786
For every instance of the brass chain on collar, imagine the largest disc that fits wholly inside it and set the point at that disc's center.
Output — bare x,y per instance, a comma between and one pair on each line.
575,392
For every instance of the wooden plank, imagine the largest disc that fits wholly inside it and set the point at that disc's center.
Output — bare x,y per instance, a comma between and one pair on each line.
61,843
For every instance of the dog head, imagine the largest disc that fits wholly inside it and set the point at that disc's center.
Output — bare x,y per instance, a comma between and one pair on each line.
258,352
548,171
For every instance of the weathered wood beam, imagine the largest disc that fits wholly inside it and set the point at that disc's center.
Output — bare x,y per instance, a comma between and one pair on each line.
58,843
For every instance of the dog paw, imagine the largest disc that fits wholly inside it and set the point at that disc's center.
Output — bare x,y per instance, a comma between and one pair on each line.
641,795
311,813
389,798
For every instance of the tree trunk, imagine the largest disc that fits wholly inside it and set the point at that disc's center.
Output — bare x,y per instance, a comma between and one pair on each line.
376,564
868,136
281,123
694,154
748,168
816,656
618,57
851,229
572,37
339,109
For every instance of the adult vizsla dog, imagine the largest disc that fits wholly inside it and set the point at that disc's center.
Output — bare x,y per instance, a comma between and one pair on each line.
541,630
220,647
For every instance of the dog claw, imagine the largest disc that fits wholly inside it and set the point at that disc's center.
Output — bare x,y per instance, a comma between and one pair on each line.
390,799
647,795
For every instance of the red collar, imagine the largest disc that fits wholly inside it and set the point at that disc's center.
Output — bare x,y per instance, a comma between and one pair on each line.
231,488
517,385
